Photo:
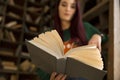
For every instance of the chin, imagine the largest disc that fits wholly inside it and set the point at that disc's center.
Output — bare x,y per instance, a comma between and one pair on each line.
67,19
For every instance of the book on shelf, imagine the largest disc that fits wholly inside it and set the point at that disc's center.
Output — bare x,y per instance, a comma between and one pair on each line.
34,9
17,26
6,52
38,19
10,68
13,25
11,2
7,35
10,24
28,18
13,77
27,66
11,14
32,67
33,29
46,8
8,65
10,36
47,53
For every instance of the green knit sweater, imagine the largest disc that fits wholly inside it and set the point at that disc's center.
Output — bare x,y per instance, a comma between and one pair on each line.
90,30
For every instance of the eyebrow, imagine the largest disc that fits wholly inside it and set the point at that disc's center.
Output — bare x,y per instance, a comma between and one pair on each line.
66,2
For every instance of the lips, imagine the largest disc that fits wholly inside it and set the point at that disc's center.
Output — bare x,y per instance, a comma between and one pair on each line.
66,14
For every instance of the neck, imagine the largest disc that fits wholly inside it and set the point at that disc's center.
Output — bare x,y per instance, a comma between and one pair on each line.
65,25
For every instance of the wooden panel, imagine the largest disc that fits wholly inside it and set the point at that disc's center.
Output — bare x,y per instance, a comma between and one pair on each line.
114,41
110,75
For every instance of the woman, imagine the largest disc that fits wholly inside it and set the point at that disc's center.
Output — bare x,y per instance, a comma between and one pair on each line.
67,18
69,25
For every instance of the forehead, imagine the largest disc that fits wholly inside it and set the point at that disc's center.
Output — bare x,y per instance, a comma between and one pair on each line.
68,1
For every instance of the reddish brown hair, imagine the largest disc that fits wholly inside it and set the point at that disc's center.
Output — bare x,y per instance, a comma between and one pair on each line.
76,29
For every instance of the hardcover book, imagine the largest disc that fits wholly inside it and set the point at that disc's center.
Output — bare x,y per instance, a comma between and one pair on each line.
47,53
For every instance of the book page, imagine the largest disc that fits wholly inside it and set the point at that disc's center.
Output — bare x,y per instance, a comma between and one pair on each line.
58,38
51,40
88,55
87,52
43,43
48,42
48,50
55,43
92,46
89,61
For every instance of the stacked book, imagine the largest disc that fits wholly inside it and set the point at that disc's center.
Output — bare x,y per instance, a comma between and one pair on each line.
9,65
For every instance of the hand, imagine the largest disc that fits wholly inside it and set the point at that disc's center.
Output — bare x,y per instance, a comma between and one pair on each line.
55,76
96,39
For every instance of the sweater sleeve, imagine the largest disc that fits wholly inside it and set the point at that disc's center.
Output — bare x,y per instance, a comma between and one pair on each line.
91,30
42,75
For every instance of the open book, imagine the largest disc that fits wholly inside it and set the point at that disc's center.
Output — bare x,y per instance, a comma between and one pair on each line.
47,53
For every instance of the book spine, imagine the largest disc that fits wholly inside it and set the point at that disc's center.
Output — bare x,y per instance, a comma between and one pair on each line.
61,65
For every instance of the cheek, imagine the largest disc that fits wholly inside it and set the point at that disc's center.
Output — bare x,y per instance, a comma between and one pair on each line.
60,13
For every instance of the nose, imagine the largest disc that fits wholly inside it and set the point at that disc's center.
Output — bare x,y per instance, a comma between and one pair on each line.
68,8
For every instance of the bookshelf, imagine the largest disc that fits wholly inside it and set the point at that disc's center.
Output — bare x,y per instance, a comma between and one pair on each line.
20,20
25,19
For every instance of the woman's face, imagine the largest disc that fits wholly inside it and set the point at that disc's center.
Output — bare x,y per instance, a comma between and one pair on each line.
66,9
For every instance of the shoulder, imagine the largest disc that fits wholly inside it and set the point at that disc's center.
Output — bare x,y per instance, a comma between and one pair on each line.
87,25
90,28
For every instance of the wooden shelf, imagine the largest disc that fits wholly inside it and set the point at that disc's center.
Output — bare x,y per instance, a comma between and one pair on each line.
8,56
8,71
96,11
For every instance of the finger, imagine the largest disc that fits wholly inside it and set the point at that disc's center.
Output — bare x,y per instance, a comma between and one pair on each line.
97,45
92,42
64,77
52,77
59,77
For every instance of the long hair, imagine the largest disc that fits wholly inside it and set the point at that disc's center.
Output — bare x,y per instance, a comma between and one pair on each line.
77,30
